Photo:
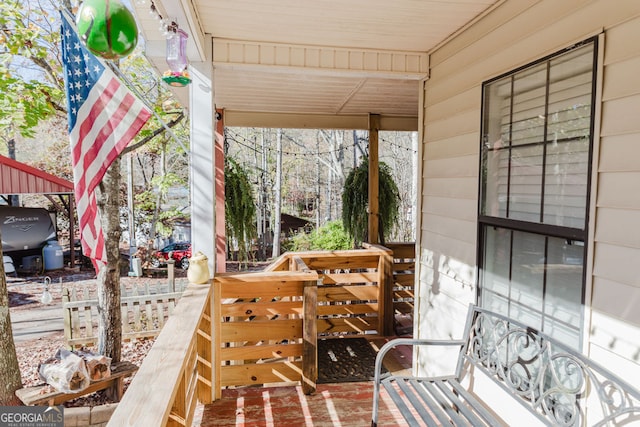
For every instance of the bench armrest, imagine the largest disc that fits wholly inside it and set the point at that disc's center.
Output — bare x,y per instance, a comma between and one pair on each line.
414,342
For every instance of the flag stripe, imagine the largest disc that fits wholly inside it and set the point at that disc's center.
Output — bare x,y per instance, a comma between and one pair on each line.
103,118
96,108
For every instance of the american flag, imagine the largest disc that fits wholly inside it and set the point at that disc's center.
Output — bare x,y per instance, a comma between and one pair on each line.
104,116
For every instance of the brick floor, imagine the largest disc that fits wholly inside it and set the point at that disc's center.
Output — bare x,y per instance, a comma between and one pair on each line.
343,404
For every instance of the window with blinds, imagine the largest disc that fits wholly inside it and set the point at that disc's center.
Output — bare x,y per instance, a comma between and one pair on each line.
535,167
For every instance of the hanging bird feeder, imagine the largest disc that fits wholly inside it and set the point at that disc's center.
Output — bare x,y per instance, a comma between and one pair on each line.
177,75
107,28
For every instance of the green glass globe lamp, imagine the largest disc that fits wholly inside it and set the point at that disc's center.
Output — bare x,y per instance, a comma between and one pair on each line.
107,28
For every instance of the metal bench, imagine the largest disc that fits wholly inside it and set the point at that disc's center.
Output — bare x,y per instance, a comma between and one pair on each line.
548,379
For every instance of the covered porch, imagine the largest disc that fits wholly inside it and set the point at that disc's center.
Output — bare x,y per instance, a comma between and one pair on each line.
295,64
426,67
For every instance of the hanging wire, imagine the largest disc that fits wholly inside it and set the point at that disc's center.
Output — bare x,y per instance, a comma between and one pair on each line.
235,137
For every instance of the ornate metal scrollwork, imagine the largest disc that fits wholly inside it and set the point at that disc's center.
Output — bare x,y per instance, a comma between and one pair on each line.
553,380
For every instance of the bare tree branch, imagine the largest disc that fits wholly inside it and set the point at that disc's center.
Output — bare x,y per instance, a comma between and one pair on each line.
153,134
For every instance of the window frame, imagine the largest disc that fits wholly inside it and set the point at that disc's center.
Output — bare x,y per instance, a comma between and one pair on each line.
570,234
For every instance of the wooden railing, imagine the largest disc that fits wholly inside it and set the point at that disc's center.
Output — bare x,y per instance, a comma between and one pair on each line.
264,329
269,322
177,371
354,296
404,269
402,293
260,329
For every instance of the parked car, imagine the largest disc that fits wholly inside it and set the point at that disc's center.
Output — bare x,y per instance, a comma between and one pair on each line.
180,252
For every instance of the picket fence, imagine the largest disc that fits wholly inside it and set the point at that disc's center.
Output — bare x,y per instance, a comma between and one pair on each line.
145,309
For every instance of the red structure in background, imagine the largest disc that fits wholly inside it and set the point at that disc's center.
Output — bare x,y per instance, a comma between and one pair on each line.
20,178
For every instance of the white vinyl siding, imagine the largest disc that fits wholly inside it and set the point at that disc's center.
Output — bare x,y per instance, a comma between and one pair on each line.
516,33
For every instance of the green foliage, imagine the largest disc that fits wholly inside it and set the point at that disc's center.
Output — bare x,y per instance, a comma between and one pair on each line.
27,37
355,197
146,201
28,30
329,237
167,219
240,208
22,105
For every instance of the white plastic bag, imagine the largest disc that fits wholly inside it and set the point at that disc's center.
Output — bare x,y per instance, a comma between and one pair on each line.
66,372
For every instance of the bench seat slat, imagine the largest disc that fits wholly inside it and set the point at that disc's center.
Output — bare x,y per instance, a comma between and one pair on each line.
434,406
469,405
399,401
455,417
417,403
477,406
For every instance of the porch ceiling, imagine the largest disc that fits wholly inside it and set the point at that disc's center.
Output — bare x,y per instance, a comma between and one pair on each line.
303,63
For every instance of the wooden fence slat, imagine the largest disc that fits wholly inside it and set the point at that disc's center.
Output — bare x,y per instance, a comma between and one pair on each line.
137,312
88,321
123,318
75,322
204,349
402,249
262,289
260,308
234,375
350,278
347,309
137,321
347,293
261,330
66,315
129,320
150,324
358,325
160,313
259,352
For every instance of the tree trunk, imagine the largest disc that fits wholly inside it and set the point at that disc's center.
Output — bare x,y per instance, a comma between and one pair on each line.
9,368
277,216
159,196
110,326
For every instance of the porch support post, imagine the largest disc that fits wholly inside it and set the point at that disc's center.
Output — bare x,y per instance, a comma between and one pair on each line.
221,240
373,225
310,336
202,114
